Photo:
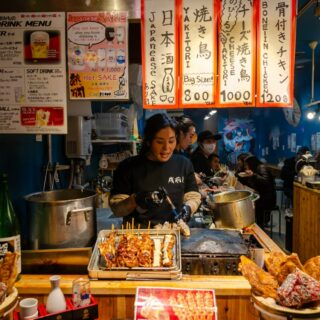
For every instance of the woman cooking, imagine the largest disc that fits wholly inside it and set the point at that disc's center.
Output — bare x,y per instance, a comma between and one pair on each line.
141,183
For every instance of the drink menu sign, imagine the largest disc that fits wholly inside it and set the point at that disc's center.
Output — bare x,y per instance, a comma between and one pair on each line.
198,53
159,39
236,60
98,55
33,76
276,39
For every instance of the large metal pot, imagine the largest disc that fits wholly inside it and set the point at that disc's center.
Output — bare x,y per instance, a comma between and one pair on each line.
233,209
61,219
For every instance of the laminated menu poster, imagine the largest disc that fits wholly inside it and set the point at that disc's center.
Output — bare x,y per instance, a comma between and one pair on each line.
236,57
98,55
156,303
198,53
276,50
33,73
159,39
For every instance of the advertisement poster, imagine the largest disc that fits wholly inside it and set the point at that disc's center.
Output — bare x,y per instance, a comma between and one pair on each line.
98,55
33,76
174,304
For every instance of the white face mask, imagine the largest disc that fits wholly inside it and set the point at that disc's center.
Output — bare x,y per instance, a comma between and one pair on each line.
208,148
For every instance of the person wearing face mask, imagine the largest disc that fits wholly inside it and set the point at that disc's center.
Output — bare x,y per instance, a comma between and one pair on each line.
206,146
141,183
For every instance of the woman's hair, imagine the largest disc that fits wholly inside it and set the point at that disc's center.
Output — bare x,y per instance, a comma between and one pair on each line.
153,125
184,123
253,162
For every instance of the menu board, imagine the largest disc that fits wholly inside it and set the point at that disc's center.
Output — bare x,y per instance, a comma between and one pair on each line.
236,57
159,53
33,76
98,55
276,48
197,54
175,303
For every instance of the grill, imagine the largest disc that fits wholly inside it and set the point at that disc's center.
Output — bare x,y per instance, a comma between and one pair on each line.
215,252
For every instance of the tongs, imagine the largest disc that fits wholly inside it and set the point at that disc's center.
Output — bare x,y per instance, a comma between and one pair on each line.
169,201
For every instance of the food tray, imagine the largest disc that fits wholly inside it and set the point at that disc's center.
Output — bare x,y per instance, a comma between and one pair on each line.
98,270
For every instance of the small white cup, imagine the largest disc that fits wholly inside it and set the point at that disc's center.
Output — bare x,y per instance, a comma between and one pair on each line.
28,308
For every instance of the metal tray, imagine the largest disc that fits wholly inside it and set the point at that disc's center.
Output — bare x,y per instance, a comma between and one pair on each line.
97,269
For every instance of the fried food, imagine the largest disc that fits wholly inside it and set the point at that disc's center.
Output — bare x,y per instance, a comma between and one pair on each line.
298,289
131,250
108,250
262,283
312,267
8,269
281,265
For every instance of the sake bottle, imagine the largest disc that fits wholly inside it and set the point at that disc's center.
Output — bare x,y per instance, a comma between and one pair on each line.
56,301
9,224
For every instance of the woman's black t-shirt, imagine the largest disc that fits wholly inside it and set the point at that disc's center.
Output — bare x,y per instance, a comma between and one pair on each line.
138,173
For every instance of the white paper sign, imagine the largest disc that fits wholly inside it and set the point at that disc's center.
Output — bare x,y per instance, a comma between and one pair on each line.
276,46
236,53
159,45
198,51
33,73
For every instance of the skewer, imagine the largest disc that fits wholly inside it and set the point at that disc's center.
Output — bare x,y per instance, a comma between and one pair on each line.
112,227
132,225
138,229
149,225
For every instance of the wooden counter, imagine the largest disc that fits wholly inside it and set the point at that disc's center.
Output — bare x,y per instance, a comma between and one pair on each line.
116,298
306,221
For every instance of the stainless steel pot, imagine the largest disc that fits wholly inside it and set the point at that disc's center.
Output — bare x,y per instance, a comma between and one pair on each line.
233,209
61,219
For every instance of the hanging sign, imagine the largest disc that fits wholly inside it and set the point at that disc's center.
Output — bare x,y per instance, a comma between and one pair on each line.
98,55
33,73
236,57
159,39
197,53
276,47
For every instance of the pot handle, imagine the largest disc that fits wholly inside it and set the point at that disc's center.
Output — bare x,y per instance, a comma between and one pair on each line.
84,210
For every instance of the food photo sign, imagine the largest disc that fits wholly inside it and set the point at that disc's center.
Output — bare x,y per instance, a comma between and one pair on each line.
33,73
98,55
175,304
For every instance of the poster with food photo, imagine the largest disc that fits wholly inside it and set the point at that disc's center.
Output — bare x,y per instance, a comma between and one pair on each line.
157,303
98,55
33,94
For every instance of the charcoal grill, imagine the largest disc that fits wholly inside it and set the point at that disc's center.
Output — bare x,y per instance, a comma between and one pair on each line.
215,252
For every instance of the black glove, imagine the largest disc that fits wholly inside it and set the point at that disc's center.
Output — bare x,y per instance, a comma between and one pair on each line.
149,199
185,213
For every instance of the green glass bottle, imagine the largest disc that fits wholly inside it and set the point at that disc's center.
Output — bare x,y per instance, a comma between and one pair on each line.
9,224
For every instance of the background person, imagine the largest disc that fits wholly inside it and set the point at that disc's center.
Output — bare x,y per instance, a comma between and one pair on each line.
206,145
261,180
186,135
136,189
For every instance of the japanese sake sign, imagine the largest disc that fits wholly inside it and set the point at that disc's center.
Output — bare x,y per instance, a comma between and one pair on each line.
236,57
276,47
159,53
198,52
98,55
33,73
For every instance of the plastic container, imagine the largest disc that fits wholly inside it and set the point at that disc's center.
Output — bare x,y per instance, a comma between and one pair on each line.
112,125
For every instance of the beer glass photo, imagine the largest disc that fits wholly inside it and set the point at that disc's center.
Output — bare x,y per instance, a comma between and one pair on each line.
39,42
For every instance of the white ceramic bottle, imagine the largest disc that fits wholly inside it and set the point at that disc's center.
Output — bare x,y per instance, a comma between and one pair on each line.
56,301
